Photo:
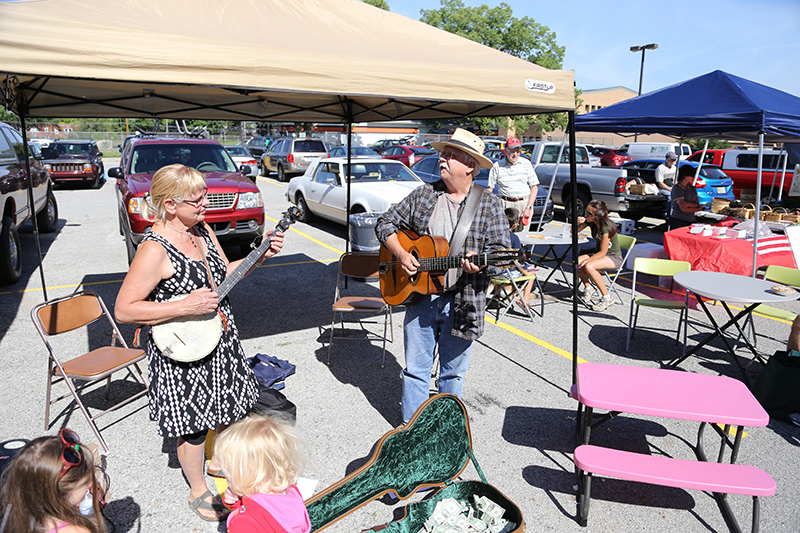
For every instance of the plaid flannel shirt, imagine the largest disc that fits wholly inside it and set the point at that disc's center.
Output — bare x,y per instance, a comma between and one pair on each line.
488,233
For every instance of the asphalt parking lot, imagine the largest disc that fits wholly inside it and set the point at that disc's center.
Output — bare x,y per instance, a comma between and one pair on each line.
516,391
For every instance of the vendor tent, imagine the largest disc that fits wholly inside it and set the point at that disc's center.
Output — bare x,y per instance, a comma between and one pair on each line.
715,105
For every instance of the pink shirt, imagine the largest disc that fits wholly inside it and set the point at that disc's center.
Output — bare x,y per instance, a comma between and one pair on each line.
288,510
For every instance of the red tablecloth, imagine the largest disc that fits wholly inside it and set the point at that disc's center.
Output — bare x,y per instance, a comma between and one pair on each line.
734,256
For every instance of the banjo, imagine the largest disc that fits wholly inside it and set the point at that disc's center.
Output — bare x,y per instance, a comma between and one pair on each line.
191,338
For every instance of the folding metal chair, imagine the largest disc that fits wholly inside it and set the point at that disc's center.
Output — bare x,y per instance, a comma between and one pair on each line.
657,267
61,315
507,291
359,266
626,243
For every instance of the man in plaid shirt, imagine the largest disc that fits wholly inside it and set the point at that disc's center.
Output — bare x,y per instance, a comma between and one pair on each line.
454,318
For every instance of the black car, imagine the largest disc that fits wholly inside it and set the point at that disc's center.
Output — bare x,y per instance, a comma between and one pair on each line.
257,145
428,171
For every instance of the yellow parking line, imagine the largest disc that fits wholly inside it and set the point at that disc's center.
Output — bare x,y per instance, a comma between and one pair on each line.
540,342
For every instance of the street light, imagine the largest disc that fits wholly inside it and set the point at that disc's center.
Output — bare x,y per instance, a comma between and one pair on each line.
651,46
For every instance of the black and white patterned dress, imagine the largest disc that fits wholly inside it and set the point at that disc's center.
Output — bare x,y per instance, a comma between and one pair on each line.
221,388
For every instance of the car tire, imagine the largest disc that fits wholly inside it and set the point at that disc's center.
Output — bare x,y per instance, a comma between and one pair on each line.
305,213
130,249
281,174
583,200
264,169
97,182
10,261
47,218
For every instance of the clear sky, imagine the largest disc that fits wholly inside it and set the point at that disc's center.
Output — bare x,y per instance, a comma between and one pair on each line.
755,39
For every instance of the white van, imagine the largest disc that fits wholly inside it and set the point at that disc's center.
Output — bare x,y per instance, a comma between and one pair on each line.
646,150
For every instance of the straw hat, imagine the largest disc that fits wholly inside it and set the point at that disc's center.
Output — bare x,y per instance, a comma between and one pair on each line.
466,142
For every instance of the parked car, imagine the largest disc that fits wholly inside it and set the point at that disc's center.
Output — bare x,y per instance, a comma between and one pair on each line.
236,208
290,156
242,156
257,145
406,154
14,201
75,162
384,144
610,157
355,151
375,185
742,167
42,142
428,171
494,153
646,150
711,183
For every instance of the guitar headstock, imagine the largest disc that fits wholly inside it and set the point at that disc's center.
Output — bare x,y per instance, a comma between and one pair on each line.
510,254
290,216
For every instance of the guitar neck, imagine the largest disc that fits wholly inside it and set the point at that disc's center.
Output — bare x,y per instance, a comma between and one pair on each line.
428,264
244,267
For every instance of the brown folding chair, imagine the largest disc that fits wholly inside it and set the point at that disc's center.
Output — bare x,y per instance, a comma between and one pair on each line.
62,315
359,266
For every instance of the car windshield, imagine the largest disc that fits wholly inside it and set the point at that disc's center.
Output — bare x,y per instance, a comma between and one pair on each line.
369,172
72,148
422,151
148,159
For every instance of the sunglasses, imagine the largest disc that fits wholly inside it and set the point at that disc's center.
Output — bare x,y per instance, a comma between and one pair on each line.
457,155
70,453
196,203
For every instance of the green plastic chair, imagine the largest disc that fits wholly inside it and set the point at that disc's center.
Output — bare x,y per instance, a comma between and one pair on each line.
657,267
507,292
778,274
626,243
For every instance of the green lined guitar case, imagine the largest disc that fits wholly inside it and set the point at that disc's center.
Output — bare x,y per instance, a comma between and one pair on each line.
432,450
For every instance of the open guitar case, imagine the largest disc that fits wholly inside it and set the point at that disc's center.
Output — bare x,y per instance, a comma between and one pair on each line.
432,450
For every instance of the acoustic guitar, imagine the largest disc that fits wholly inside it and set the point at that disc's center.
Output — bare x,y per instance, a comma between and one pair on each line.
191,338
397,288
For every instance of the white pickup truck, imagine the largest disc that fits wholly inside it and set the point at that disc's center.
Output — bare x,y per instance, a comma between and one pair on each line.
593,183
14,201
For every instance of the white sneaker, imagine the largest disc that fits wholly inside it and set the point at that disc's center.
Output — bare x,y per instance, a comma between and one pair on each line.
587,294
603,304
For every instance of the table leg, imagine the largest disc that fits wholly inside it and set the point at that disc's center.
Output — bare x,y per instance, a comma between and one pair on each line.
718,332
743,336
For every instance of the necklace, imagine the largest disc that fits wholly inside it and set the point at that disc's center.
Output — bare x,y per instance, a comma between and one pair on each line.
189,234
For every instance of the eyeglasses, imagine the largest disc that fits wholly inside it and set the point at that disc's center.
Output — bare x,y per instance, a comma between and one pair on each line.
70,453
457,155
196,203
590,213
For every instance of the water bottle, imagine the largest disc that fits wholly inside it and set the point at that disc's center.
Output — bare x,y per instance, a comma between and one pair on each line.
86,504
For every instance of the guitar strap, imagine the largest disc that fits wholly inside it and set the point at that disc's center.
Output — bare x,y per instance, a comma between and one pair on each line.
210,276
465,222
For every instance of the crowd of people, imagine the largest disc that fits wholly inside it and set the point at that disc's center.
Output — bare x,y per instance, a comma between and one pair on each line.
174,276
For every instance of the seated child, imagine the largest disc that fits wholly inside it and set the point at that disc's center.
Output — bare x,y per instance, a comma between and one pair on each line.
514,272
260,457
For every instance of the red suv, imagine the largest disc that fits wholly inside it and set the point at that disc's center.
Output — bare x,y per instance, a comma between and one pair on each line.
611,157
235,210
74,162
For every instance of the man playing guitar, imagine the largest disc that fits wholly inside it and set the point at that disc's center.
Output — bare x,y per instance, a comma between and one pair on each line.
454,318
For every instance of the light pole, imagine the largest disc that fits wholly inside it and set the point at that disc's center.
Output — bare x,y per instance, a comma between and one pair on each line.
651,46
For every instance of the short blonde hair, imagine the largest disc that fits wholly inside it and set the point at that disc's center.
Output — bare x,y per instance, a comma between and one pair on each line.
174,182
259,454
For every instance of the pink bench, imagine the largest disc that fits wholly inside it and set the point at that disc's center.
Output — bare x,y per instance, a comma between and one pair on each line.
719,478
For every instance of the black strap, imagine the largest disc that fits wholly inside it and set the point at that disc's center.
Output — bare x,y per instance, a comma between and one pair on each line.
465,222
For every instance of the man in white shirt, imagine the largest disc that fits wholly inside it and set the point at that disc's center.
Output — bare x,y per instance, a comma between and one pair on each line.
665,178
517,181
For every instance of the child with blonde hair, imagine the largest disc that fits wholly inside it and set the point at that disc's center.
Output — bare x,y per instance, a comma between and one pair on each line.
45,483
261,459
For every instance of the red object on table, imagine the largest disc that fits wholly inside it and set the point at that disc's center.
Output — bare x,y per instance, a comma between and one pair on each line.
734,256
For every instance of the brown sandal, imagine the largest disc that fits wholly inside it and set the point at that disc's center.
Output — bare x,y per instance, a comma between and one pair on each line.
200,504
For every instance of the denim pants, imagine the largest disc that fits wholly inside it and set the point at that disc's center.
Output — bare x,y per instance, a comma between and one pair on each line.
427,323
668,194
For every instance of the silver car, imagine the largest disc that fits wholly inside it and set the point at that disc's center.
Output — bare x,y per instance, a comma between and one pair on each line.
290,156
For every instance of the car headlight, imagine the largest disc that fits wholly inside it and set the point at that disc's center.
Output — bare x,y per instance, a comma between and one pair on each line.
250,200
87,167
47,167
135,205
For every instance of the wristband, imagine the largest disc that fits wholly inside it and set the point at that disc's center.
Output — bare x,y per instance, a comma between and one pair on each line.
527,207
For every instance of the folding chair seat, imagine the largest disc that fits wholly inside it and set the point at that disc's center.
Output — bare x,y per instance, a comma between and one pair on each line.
778,274
626,243
506,291
657,267
356,267
62,315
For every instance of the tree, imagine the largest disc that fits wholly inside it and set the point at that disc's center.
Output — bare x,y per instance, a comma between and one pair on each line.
698,144
378,3
498,28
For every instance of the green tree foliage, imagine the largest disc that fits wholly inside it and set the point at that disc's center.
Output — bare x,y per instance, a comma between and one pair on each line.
697,144
498,28
378,3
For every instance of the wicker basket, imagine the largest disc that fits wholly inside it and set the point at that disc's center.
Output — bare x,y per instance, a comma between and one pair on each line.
768,215
792,217
718,204
745,212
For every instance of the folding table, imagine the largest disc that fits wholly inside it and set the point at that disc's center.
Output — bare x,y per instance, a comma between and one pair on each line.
538,238
728,288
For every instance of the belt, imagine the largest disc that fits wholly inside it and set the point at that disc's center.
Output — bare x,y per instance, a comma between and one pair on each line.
509,199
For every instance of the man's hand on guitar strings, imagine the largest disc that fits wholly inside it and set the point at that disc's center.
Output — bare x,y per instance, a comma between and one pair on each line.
408,263
468,266
200,302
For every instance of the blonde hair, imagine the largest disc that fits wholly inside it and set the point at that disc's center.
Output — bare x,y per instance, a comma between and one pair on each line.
174,182
259,454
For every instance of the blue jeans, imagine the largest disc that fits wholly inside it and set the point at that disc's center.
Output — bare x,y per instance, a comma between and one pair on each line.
668,194
427,323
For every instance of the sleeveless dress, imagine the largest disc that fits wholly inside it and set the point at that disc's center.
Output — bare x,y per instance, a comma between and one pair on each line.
221,388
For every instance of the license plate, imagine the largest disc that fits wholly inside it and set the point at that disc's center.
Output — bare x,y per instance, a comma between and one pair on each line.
312,157
721,190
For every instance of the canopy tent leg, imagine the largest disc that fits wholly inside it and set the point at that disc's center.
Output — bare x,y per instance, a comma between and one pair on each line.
31,203
758,200
573,180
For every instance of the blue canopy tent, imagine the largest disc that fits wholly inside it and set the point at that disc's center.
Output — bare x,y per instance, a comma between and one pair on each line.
717,105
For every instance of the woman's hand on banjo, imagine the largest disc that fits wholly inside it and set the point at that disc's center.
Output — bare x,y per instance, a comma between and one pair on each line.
200,302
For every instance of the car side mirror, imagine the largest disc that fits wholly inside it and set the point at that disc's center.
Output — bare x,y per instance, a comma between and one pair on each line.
246,170
331,180
99,154
115,172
